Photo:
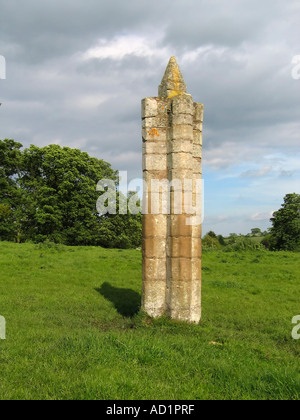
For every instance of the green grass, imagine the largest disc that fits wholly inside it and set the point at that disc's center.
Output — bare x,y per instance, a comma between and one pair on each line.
74,330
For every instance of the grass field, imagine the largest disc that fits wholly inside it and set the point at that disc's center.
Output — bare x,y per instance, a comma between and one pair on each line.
74,330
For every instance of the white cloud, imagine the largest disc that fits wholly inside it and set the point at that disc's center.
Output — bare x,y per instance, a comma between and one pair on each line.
257,173
88,101
121,46
262,216
228,154
208,52
126,158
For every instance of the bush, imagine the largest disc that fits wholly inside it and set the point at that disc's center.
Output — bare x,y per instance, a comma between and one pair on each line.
221,240
268,242
210,243
48,245
243,243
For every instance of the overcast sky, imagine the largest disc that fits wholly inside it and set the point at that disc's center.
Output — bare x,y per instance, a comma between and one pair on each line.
78,69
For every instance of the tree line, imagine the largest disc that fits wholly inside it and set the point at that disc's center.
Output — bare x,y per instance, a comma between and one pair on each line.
284,235
49,193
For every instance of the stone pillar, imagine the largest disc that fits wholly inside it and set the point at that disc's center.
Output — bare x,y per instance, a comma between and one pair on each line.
154,132
172,145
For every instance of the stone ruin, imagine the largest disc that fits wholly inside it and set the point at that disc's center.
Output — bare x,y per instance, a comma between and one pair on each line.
172,151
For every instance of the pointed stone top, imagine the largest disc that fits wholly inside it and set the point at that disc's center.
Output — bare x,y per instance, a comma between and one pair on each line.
172,83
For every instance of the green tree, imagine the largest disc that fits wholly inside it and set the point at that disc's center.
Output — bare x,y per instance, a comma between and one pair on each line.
221,240
121,230
11,194
50,194
6,231
210,242
61,183
285,231
233,237
10,167
212,234
268,242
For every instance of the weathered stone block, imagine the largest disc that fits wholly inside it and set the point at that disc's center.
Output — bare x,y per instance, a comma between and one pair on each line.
149,107
198,112
154,162
181,270
197,229
179,247
188,185
155,225
156,175
183,104
182,119
176,202
197,137
196,251
155,269
195,300
197,167
195,220
196,269
180,314
195,314
163,105
198,125
181,132
160,121
184,146
197,150
191,202
154,247
197,182
160,185
181,296
154,134
180,174
180,160
154,297
155,148
178,226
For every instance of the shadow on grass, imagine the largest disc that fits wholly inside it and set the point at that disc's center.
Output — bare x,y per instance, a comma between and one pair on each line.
126,301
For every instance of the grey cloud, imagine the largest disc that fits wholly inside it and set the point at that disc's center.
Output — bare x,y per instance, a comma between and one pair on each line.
257,173
50,29
286,174
216,22
243,76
